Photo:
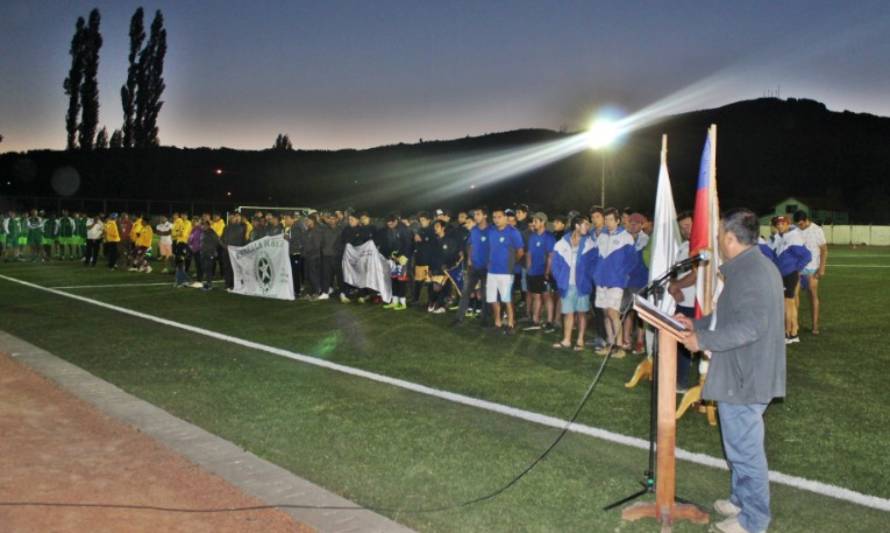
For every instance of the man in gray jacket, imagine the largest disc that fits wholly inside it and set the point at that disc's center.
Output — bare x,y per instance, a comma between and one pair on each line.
747,347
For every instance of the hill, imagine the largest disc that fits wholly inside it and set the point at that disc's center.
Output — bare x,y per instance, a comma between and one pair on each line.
768,149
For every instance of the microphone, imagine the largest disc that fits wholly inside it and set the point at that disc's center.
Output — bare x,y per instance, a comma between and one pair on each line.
703,256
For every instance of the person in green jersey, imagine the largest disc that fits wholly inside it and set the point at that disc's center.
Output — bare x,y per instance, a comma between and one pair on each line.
35,235
50,235
3,231
65,229
80,235
14,233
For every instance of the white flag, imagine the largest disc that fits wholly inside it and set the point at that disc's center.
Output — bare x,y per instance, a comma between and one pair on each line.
665,231
364,267
262,268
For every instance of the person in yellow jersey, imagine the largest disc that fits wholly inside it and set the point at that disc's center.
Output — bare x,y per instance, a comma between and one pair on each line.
112,240
135,230
141,244
182,228
218,225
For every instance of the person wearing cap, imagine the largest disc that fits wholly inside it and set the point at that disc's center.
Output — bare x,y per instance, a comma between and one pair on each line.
574,260
538,263
793,257
616,259
506,249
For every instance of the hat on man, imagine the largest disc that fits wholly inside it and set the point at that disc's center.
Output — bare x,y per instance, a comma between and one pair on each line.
540,215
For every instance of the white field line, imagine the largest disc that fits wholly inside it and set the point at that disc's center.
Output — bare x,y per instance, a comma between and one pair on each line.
816,487
119,285
858,266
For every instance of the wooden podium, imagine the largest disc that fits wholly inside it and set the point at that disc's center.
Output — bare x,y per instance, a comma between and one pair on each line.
665,509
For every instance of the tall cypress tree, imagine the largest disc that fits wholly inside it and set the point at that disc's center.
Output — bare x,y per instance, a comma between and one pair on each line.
102,139
72,83
128,91
151,84
89,89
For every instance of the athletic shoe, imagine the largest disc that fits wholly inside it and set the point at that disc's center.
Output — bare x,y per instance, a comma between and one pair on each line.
148,269
727,508
548,328
438,310
730,525
791,339
400,307
344,299
469,313
132,269
361,299
323,296
533,327
391,305
196,285
508,331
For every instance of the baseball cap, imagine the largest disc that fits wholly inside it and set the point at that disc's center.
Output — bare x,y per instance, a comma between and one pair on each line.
509,213
540,215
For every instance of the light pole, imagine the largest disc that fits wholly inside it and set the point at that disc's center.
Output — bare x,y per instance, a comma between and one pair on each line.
600,135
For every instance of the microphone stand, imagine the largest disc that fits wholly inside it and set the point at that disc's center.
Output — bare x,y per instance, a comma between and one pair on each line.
655,289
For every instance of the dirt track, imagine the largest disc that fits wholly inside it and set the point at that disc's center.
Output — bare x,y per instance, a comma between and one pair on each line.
56,448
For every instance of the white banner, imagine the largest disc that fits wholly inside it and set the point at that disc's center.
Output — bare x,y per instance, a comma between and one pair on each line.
262,268
364,267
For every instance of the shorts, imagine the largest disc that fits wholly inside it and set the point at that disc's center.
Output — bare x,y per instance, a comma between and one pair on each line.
609,297
422,273
165,249
48,241
789,283
23,240
66,240
78,241
498,284
537,284
573,302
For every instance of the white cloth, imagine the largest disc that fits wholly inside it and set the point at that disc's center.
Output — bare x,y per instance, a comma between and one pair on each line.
609,297
95,229
688,292
498,284
813,239
165,226
364,267
262,268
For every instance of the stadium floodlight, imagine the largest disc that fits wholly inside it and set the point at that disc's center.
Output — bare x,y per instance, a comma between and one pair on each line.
601,134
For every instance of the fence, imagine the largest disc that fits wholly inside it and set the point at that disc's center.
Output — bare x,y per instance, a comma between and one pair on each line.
850,234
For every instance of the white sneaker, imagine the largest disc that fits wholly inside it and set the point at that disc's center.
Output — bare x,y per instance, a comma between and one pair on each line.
344,299
730,525
727,508
438,310
148,270
323,296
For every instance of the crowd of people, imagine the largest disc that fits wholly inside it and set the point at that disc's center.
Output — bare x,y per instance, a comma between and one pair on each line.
508,269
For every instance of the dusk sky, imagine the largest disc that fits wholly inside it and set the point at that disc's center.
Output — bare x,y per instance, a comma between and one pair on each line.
359,74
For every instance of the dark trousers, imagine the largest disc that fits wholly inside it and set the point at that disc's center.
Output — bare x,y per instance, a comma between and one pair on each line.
199,266
328,269
228,273
111,253
471,278
599,319
207,262
684,358
313,274
92,252
181,254
296,272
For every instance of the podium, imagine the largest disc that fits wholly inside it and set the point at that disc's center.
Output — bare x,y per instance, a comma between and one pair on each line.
665,509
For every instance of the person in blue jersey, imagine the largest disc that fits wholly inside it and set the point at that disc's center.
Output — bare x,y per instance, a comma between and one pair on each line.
636,280
574,259
793,257
538,264
505,251
617,258
477,252
767,250
597,226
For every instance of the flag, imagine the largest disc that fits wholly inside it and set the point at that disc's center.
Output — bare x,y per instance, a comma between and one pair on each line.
705,228
262,268
364,267
665,240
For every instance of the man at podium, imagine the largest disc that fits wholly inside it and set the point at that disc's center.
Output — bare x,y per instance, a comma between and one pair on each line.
746,342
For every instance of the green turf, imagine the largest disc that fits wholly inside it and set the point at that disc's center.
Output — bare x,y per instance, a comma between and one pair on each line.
385,446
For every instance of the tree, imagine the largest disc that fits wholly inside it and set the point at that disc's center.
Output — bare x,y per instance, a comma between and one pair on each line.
282,142
89,89
102,139
128,91
72,83
150,85
117,139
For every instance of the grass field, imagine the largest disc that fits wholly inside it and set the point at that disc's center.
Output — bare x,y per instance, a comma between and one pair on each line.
387,447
